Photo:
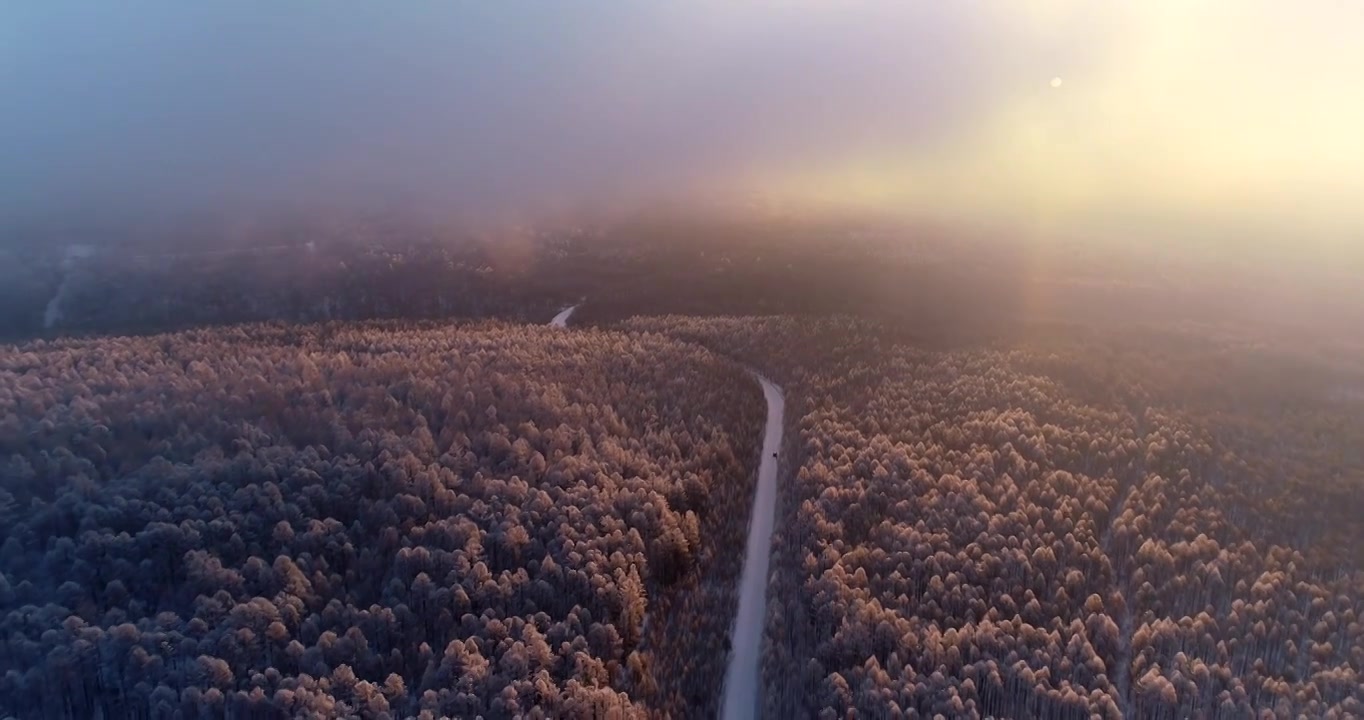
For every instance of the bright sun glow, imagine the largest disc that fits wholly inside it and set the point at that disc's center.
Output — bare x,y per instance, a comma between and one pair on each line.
1174,125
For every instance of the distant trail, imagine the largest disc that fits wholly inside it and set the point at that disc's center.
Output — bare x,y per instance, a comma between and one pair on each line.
561,320
52,314
743,678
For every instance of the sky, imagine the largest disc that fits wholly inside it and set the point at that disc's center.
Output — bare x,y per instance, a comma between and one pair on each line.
1153,121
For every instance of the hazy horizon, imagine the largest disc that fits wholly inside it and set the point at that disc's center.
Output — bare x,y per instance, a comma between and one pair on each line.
1158,123
870,358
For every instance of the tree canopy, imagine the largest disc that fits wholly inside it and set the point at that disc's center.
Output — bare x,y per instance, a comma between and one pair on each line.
369,520
1051,530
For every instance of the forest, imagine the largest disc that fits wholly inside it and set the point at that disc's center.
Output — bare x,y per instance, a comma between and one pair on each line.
353,477
692,360
1100,525
100,282
369,520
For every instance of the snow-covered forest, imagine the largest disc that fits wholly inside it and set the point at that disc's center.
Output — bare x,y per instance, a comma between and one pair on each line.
982,509
603,360
1071,530
379,520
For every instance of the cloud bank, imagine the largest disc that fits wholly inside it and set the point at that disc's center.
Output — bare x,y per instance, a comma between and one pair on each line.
1197,117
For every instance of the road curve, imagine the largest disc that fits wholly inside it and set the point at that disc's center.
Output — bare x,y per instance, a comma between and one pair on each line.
743,678
561,320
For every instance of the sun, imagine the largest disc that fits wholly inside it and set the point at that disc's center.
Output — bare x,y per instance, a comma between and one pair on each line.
1056,82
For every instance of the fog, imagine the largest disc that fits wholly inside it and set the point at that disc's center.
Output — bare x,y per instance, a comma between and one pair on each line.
1164,121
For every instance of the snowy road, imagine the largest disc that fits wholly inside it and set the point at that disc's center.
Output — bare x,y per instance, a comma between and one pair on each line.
561,320
743,678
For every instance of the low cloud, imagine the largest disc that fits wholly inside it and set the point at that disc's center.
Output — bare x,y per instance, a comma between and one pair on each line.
1216,116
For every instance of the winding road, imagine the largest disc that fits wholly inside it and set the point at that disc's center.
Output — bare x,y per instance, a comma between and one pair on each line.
561,320
743,677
